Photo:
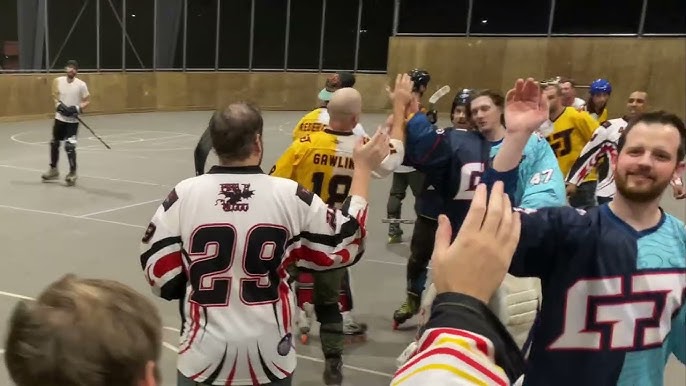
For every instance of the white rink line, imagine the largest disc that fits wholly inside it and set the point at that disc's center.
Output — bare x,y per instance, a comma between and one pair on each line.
119,208
93,177
71,216
82,217
313,359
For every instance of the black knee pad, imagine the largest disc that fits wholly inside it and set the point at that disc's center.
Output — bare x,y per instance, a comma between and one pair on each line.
328,313
69,147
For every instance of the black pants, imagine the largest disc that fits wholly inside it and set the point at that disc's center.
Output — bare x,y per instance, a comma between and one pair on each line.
421,248
401,181
64,131
202,150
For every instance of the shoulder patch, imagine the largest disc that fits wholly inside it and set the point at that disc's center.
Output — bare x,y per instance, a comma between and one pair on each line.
170,200
305,195
149,232
606,124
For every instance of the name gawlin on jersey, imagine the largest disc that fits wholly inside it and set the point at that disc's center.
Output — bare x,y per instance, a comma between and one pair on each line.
333,160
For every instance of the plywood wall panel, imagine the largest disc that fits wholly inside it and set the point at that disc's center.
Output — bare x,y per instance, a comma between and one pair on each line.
657,65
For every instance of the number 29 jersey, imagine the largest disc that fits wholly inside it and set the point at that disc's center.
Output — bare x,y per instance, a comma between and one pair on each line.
221,243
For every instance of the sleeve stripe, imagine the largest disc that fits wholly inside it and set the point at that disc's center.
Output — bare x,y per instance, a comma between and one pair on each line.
348,229
481,344
158,246
461,357
461,374
166,264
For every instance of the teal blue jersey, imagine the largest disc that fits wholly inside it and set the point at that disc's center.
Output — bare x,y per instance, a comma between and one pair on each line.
540,182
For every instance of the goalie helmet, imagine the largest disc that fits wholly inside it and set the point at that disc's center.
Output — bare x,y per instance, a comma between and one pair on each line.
419,78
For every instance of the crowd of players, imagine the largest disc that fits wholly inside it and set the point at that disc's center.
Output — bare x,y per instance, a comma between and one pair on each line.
612,264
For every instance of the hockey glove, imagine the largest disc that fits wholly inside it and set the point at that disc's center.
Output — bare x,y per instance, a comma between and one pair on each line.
433,116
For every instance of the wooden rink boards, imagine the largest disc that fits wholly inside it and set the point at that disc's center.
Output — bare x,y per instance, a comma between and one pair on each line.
93,229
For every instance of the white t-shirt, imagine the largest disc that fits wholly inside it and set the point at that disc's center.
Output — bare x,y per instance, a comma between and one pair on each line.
221,242
70,93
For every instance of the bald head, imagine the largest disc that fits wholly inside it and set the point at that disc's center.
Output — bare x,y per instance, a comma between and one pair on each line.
344,109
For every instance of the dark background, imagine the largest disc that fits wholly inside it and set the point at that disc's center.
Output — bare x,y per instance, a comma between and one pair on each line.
302,44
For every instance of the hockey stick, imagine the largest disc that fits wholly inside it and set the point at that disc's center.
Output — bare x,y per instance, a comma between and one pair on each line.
396,221
438,95
91,130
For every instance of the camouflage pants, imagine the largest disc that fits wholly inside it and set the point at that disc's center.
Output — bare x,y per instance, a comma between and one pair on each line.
326,292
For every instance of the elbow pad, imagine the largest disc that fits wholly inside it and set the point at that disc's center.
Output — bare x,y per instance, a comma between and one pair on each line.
392,161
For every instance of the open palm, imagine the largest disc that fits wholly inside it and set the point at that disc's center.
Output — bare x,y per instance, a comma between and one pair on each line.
525,108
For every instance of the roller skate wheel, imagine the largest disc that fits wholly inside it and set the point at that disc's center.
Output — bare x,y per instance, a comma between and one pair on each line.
395,325
304,338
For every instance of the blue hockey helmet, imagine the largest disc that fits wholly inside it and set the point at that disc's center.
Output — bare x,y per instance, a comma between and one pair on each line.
600,86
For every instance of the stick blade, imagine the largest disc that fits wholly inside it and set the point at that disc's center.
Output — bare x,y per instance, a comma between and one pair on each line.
439,94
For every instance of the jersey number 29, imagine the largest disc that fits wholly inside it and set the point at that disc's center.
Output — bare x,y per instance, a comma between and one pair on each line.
212,253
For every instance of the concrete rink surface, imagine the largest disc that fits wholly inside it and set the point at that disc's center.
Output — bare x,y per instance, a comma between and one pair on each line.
93,229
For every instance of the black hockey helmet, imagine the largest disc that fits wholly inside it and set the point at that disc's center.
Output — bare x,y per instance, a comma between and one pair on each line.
462,98
419,78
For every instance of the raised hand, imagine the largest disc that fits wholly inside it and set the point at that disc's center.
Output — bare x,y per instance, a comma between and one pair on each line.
525,108
476,262
368,153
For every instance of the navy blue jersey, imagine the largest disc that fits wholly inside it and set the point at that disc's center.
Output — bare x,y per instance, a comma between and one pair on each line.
453,161
612,309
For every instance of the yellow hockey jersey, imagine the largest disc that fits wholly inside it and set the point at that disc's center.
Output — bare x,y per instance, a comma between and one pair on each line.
318,120
322,162
571,131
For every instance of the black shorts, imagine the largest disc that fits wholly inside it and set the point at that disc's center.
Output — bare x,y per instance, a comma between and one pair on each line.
62,131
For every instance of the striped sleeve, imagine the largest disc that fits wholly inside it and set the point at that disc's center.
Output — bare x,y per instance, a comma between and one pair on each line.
592,152
451,356
161,251
329,238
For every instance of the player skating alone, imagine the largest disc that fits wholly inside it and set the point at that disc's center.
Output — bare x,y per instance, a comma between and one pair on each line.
322,162
572,130
221,242
613,276
454,161
603,145
70,95
406,176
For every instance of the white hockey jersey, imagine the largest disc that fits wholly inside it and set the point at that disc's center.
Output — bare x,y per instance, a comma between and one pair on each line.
602,143
221,243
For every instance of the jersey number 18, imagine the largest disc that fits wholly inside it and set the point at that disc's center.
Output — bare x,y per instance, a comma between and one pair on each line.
338,188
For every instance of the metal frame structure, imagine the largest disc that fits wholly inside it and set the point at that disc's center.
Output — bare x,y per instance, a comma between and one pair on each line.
51,60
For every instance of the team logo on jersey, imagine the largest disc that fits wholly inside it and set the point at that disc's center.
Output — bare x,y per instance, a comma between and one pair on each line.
284,346
149,232
170,200
233,195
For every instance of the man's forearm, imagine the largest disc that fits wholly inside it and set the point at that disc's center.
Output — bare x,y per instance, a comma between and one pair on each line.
510,153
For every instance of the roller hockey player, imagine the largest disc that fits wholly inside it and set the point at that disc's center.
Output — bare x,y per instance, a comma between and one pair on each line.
70,95
429,205
321,162
406,176
600,91
454,161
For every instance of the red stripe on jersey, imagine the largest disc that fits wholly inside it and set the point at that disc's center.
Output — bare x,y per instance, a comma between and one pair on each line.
229,379
362,220
252,373
195,376
167,263
481,344
195,323
460,357
320,258
284,372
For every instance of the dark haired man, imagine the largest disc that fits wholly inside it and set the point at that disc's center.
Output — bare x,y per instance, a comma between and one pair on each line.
613,277
221,242
71,97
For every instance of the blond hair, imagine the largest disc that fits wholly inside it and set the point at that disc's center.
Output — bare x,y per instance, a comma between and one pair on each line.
83,332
